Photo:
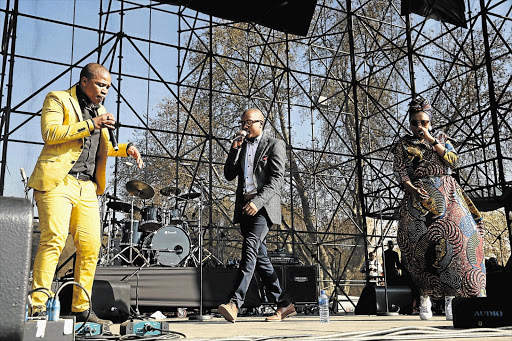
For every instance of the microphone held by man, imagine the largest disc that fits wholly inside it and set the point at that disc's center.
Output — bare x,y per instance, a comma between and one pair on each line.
113,139
238,139
107,121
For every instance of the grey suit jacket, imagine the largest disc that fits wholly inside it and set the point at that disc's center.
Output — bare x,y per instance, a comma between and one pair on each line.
268,176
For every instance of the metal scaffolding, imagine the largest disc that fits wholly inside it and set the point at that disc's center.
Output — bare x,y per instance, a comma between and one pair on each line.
337,97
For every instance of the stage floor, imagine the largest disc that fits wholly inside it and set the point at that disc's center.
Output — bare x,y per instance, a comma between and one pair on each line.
341,327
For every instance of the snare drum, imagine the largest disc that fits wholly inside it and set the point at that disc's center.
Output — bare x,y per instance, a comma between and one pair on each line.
151,219
169,246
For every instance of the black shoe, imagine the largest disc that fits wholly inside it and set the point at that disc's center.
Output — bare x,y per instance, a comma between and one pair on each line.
82,316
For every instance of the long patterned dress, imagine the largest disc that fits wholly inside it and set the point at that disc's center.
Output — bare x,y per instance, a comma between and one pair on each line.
441,239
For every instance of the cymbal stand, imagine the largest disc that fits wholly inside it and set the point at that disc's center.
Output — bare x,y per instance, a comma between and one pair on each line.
106,251
201,317
130,246
196,260
203,186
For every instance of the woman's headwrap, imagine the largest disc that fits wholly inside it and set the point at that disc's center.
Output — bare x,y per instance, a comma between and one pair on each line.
420,104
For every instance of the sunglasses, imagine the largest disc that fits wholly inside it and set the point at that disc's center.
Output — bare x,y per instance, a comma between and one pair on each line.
249,122
416,123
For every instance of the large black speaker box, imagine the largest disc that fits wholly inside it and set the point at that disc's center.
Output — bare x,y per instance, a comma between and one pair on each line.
219,285
110,300
16,220
298,282
474,312
373,300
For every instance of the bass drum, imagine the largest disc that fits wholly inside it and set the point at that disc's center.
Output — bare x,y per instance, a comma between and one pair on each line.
168,246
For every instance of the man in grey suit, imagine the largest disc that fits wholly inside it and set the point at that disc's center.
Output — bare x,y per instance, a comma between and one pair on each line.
258,161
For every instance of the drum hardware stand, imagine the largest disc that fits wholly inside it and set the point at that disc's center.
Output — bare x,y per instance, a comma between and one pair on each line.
200,317
197,260
131,247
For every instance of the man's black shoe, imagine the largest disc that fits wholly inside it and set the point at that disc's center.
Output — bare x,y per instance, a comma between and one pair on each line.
82,316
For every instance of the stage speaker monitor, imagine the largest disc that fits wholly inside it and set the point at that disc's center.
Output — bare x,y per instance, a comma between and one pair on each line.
110,299
373,300
16,221
474,312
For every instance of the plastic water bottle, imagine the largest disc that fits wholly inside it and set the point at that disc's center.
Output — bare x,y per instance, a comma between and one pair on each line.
323,307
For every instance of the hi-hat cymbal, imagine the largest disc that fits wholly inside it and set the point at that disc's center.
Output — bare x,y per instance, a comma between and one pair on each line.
168,191
140,189
188,196
122,206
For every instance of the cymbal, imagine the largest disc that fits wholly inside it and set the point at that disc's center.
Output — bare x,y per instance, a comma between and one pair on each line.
140,189
168,191
122,206
188,196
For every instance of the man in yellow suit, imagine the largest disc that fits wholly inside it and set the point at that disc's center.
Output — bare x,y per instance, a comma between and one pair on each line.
67,178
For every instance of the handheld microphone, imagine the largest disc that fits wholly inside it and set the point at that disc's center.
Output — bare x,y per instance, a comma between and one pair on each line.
23,176
113,139
238,136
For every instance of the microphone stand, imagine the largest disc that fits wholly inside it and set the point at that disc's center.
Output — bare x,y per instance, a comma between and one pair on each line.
127,278
200,317
24,180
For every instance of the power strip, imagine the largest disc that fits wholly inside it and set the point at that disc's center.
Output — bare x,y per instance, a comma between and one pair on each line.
39,330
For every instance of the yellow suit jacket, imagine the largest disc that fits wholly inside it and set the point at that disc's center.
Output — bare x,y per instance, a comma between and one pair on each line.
63,130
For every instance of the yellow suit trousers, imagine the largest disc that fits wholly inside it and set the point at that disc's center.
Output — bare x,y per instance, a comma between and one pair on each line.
71,207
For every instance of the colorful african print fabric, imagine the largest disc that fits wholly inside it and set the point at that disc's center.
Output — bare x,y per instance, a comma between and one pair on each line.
442,238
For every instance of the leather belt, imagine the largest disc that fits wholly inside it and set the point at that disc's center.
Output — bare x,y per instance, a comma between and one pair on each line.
81,176
248,197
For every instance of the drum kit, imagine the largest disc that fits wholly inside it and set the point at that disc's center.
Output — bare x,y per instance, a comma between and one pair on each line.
162,236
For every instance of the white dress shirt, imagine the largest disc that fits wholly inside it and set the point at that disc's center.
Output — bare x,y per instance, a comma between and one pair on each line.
250,153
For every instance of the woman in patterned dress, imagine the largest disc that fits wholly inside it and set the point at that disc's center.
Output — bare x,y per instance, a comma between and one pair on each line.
440,232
